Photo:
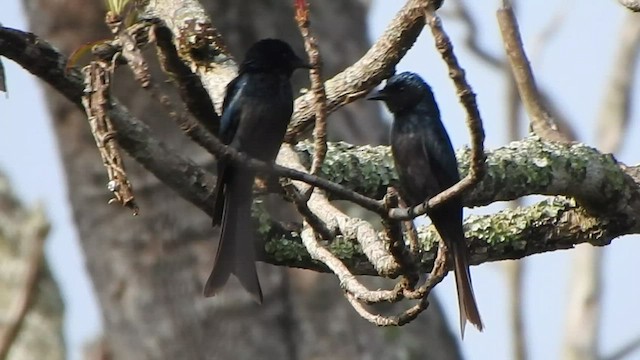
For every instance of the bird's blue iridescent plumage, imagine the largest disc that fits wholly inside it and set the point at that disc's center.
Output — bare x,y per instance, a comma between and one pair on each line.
230,107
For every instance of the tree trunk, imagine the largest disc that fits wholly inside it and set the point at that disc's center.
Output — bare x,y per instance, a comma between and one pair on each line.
149,270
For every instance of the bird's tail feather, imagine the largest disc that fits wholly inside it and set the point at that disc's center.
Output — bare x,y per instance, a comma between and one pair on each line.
236,252
218,205
466,299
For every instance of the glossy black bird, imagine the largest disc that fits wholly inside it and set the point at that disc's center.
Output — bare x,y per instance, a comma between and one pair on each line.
426,165
256,111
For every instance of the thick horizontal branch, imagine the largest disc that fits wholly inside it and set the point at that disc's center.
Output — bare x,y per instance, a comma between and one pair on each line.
527,167
550,225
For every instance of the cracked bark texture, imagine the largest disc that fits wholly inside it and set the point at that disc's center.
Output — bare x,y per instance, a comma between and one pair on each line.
148,271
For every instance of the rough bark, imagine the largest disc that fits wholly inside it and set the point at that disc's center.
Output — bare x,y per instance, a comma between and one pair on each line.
148,271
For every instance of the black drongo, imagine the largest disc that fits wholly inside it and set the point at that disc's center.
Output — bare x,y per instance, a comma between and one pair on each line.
256,111
426,165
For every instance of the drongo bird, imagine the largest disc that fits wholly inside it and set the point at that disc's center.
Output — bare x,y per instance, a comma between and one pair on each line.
426,165
255,113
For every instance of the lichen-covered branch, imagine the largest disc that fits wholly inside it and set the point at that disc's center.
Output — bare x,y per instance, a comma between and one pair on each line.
554,224
359,229
526,167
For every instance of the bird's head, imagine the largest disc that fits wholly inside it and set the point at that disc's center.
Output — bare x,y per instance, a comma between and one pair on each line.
403,92
272,56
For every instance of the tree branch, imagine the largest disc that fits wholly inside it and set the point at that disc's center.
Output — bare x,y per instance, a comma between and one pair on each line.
554,224
541,121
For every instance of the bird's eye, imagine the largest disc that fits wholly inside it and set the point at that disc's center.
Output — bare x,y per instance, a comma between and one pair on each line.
401,89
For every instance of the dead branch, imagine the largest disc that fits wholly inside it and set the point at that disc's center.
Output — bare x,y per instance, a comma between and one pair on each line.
317,88
541,121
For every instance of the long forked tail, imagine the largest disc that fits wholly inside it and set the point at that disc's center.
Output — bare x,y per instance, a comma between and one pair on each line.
466,299
236,253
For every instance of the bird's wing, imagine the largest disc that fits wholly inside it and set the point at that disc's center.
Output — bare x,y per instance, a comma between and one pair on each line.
231,112
437,147
231,109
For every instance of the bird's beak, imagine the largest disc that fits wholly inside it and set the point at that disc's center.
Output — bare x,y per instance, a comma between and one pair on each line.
377,95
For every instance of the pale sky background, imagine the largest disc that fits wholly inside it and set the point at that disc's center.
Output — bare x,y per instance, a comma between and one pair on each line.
573,69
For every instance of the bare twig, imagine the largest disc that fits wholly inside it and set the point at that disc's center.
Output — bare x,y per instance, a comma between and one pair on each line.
410,229
347,280
317,88
438,273
189,86
474,123
19,309
369,241
397,246
129,51
624,351
472,40
319,226
498,63
541,121
96,102
380,320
